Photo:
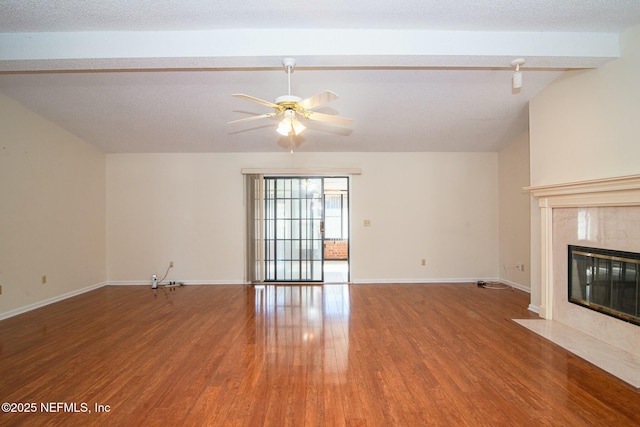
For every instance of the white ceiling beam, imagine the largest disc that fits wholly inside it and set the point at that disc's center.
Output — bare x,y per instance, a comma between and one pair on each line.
252,48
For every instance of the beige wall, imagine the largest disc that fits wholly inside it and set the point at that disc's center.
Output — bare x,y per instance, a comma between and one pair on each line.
188,208
514,213
585,126
52,215
185,208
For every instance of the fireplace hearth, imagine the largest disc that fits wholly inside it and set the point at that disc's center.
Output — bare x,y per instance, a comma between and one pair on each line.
606,281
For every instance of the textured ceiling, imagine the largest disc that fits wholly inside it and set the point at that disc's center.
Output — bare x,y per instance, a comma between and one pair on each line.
466,15
149,76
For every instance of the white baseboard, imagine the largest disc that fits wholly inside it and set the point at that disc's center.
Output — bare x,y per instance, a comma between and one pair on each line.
534,308
186,282
460,280
515,285
43,303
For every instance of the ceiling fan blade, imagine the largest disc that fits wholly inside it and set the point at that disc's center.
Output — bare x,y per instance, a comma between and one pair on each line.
254,99
328,118
248,119
318,99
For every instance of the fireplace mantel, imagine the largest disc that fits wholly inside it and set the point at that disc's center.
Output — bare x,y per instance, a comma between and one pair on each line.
619,191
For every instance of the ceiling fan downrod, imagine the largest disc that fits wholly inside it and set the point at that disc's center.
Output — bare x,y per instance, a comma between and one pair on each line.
289,63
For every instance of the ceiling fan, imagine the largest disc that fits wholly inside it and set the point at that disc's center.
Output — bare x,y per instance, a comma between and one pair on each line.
291,106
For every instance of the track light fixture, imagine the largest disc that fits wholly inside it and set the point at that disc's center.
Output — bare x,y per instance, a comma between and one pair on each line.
517,75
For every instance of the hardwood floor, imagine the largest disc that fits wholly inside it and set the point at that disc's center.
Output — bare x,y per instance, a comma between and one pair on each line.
360,355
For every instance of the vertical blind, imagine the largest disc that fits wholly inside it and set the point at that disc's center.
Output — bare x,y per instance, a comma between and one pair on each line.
254,202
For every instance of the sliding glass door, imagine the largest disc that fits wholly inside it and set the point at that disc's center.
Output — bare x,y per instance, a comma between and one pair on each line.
293,229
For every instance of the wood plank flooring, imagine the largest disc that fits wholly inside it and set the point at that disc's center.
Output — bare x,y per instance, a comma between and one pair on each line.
338,355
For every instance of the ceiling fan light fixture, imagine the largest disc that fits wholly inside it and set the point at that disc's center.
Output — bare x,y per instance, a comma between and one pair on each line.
297,127
290,125
284,128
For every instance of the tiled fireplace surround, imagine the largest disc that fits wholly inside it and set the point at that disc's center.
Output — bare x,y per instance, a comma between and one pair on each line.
601,213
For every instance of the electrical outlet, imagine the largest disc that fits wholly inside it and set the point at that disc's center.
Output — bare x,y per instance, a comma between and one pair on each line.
424,261
520,267
367,223
44,279
170,264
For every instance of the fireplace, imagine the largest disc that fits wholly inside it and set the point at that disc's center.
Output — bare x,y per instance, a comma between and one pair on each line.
605,280
602,213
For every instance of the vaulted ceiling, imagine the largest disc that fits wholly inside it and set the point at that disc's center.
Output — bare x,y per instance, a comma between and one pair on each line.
415,75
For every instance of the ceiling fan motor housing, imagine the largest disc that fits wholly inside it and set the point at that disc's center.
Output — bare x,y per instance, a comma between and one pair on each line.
289,102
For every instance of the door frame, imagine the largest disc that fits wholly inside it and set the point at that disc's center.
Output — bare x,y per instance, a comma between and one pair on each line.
253,193
254,230
294,229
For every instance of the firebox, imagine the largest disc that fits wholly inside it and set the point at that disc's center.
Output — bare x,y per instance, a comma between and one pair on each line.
606,281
